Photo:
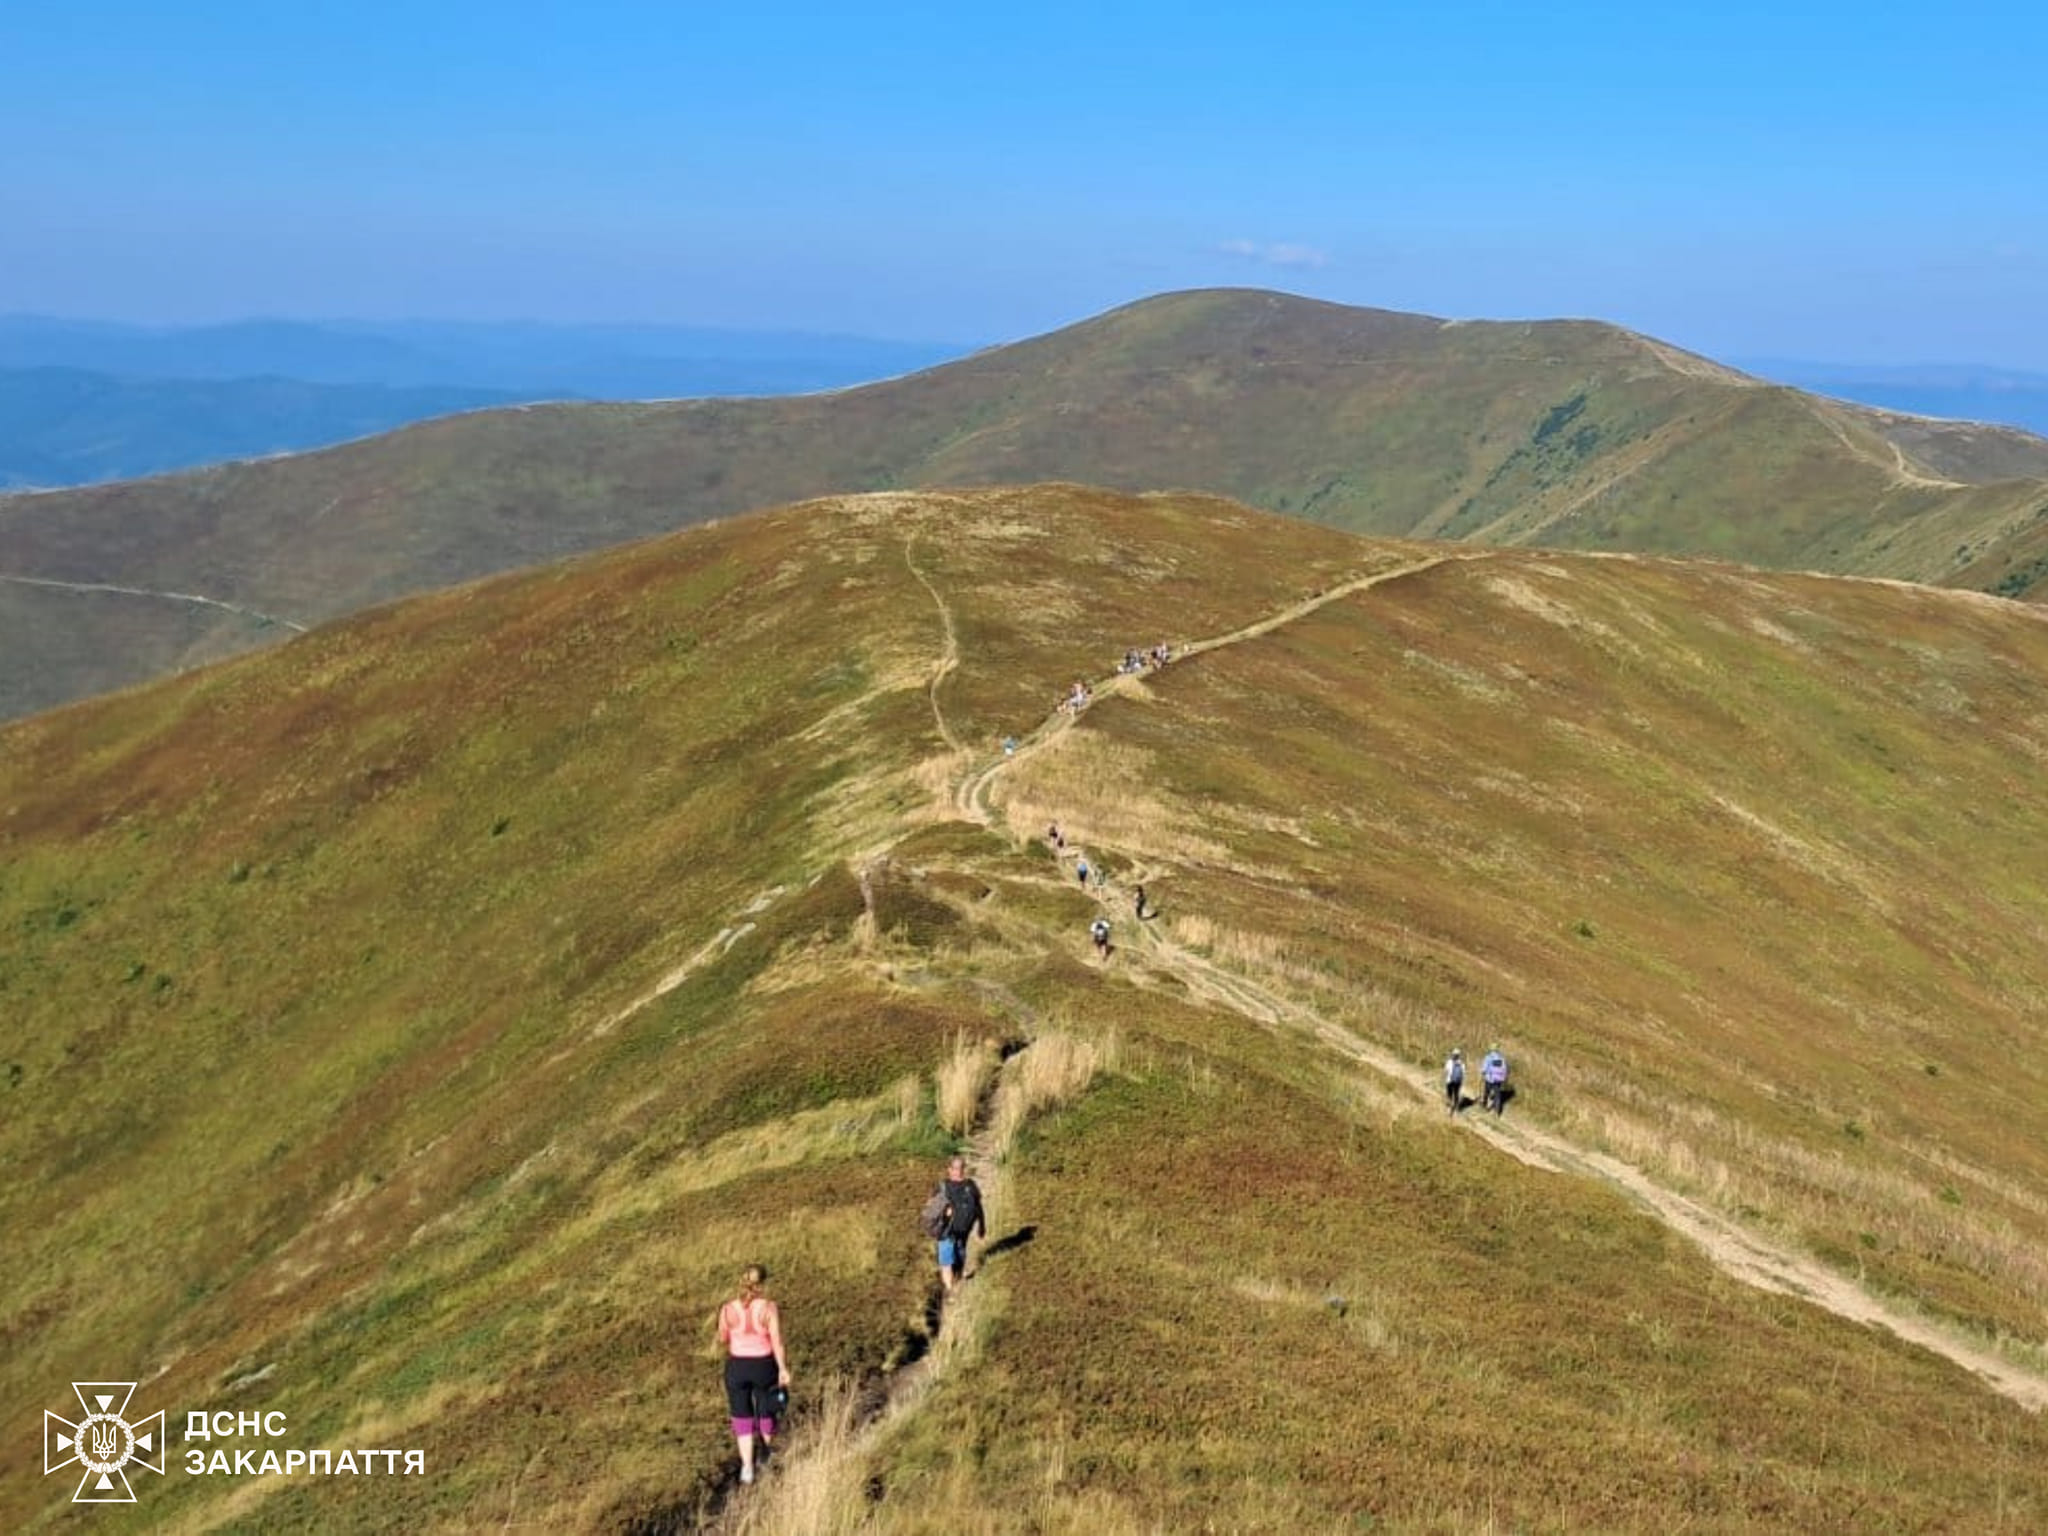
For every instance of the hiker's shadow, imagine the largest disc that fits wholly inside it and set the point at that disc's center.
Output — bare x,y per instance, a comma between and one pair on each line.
1465,1102
1010,1243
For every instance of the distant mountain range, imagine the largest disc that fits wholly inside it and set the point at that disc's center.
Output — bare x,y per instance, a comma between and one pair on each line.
1562,433
1959,392
83,402
66,426
533,360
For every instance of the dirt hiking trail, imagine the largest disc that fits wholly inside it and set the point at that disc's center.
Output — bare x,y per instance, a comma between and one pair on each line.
842,1424
189,598
1744,1255
970,796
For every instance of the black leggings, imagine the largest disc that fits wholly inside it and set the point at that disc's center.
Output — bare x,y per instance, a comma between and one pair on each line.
748,1381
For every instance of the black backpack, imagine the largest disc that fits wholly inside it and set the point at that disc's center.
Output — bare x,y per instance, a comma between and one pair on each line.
964,1213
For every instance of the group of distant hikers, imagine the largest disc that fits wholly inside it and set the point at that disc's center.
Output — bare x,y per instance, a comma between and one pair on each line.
1080,695
1095,877
1493,1082
750,1324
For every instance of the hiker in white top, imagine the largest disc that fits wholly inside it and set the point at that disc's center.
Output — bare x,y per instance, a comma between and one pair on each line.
1493,1078
1454,1081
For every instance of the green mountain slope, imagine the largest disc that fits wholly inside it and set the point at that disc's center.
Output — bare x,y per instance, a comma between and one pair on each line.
1565,433
410,1029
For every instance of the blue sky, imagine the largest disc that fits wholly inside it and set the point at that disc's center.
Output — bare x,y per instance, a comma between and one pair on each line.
1849,182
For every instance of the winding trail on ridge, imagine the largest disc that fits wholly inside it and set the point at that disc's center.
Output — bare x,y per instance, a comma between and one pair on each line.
188,598
1740,1253
949,653
970,797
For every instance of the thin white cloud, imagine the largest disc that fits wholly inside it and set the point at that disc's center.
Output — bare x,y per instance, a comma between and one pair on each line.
1276,253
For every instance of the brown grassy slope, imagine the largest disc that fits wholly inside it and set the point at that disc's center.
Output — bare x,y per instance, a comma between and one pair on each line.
1254,1304
1565,432
295,943
1748,868
323,964
61,644
1976,451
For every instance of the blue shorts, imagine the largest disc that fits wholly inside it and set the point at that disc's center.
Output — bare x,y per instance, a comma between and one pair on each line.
952,1253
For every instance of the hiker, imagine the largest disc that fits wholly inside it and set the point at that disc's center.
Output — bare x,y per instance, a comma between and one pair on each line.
1493,1075
1009,746
963,1217
1099,932
1454,1080
1052,835
1081,870
750,1328
1138,906
1101,877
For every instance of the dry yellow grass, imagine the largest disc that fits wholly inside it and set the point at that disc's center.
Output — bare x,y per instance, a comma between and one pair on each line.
1054,1068
816,1489
1095,788
963,1078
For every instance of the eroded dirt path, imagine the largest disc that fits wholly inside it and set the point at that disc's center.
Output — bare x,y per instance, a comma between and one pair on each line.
1897,466
949,651
1738,1252
193,598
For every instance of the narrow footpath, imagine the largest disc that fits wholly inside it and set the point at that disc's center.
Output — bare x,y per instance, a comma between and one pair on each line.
1743,1254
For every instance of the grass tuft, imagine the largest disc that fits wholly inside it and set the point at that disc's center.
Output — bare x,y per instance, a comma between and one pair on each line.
1055,1068
963,1079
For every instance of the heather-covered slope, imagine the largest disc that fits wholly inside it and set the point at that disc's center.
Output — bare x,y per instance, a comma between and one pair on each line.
1567,433
411,1029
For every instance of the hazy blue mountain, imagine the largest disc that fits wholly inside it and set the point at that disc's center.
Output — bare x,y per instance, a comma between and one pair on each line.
1961,391
528,359
67,426
85,401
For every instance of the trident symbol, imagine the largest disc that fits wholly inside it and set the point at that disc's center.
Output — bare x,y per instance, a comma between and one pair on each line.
104,1441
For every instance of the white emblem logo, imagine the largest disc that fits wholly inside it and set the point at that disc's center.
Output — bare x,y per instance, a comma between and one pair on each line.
104,1442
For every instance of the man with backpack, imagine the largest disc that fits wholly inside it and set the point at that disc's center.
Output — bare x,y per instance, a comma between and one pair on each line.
1099,932
1493,1075
1454,1081
951,1216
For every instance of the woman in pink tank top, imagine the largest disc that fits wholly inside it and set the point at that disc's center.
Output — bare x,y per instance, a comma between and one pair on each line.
750,1328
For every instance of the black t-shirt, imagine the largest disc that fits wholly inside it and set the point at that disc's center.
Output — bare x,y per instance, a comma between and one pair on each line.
964,1196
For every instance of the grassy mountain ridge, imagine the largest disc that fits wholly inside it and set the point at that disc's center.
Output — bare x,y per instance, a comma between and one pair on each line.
1565,433
418,1022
